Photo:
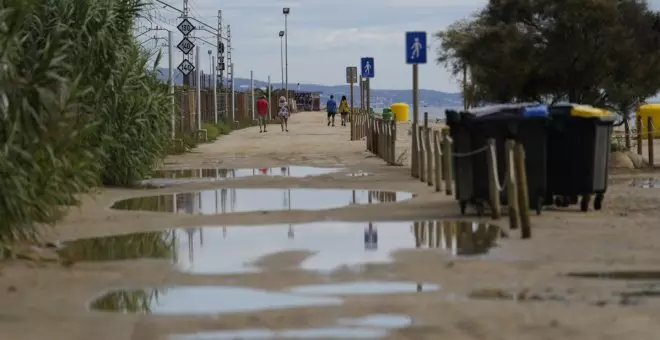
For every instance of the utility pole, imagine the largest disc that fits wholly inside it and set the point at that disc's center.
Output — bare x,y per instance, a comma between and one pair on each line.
215,91
221,60
252,93
170,48
186,78
230,73
198,88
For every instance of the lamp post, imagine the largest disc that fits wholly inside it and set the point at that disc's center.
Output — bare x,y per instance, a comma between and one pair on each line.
210,67
286,11
282,56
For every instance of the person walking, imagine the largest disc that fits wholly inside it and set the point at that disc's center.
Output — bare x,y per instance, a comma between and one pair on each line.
284,114
331,106
262,110
343,110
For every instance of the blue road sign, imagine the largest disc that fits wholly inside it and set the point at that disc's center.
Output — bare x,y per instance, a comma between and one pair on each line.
416,47
367,66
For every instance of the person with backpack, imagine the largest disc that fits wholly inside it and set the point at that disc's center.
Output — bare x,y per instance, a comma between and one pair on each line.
343,110
331,107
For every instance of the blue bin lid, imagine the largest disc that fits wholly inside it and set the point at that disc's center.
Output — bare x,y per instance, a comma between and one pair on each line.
539,110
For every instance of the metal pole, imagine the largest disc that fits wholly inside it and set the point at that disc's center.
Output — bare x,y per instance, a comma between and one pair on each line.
171,80
368,95
198,85
252,93
215,89
286,57
233,96
361,94
268,89
415,102
282,59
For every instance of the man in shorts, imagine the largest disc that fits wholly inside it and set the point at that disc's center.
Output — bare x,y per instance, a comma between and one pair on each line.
331,106
262,110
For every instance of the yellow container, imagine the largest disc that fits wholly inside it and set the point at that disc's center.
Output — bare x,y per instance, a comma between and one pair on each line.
586,111
649,110
400,111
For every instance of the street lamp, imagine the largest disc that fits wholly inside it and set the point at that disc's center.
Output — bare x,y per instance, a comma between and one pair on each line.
286,11
210,68
282,56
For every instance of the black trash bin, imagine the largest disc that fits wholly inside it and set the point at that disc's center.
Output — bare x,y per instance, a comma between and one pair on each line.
578,154
525,123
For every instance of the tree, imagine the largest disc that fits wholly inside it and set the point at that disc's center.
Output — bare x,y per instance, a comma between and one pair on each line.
599,52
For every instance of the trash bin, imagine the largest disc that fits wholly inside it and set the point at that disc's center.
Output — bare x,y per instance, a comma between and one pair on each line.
387,114
526,123
578,154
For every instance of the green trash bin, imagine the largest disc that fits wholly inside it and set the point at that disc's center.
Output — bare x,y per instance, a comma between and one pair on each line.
387,114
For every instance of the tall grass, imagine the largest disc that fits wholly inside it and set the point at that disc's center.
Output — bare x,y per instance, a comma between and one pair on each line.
79,106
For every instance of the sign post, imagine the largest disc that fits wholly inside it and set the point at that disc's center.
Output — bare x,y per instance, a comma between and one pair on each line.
415,55
351,78
186,46
368,72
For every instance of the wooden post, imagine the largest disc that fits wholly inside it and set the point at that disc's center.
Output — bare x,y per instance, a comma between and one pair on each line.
523,197
438,164
421,155
493,187
511,189
638,124
393,141
429,157
650,140
448,161
368,133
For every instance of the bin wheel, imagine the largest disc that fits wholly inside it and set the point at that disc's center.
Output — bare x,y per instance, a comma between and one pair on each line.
463,206
480,209
539,205
584,203
598,202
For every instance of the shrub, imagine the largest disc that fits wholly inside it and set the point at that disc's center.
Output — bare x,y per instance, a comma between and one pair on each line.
212,131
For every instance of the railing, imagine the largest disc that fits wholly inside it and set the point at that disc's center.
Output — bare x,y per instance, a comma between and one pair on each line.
381,138
358,121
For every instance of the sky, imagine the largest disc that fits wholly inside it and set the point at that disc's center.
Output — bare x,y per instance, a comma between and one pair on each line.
323,37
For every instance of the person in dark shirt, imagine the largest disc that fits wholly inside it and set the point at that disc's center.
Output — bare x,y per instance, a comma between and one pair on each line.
331,106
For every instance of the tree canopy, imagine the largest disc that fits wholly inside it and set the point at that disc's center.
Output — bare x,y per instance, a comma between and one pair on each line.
599,52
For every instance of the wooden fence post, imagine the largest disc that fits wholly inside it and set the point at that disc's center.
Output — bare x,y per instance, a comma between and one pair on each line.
429,157
523,197
413,154
448,168
438,164
421,155
493,186
650,141
511,189
638,124
393,141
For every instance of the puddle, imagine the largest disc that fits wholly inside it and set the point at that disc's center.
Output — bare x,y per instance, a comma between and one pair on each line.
379,321
370,327
367,287
195,300
646,183
315,333
210,202
632,275
169,177
231,250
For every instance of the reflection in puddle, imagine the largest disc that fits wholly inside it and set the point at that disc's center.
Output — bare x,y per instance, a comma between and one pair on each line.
460,238
189,300
367,287
523,295
314,333
358,174
646,183
210,202
165,177
370,327
619,275
216,250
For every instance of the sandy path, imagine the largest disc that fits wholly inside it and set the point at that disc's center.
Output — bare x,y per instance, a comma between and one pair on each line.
48,301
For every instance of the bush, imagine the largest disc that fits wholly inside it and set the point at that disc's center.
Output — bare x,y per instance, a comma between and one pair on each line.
212,131
78,106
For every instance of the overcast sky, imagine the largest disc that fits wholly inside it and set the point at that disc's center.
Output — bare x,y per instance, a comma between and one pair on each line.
324,36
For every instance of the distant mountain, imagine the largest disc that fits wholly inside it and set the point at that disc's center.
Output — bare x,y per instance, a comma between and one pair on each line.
380,97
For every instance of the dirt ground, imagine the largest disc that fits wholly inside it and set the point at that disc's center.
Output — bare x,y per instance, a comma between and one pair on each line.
49,301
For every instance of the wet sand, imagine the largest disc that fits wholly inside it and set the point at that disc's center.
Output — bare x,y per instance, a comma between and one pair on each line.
48,300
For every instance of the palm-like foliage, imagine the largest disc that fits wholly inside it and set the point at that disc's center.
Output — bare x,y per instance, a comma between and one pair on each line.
78,106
